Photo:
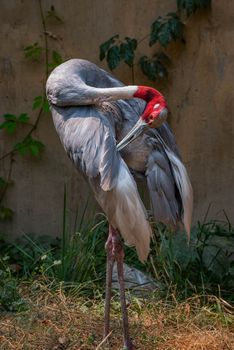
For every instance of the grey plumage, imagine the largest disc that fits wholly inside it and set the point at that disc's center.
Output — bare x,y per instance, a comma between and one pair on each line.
89,124
88,139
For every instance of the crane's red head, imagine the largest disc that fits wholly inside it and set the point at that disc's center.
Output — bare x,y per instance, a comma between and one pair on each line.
155,111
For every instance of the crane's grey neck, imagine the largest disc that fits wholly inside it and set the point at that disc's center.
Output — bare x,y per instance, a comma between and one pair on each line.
75,92
115,93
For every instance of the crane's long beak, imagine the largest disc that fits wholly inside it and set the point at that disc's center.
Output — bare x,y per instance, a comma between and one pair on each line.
133,134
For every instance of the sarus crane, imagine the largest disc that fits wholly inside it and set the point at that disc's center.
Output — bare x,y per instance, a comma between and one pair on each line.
113,133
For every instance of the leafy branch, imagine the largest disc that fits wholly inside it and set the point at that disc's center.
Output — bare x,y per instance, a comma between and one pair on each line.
29,145
155,68
11,122
115,50
163,31
33,52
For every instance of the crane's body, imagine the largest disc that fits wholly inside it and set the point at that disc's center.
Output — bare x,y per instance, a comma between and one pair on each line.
92,111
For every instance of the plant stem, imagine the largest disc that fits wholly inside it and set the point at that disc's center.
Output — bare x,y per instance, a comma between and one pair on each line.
64,233
35,125
143,39
45,39
133,74
8,178
7,155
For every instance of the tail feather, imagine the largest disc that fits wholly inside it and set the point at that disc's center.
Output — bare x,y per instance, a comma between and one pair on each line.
161,186
185,189
126,212
183,184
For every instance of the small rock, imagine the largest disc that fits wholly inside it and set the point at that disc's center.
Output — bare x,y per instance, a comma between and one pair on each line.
140,284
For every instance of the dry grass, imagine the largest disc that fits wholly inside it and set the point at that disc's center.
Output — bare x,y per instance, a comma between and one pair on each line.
58,322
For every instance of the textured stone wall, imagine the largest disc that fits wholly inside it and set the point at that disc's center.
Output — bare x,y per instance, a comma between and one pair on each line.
199,92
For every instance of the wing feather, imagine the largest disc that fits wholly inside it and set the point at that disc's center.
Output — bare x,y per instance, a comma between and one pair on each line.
169,185
161,186
88,139
180,176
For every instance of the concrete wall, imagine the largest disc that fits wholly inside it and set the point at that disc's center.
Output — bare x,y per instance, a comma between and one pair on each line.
200,95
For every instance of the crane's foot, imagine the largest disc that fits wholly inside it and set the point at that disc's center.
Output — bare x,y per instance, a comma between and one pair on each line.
130,346
115,252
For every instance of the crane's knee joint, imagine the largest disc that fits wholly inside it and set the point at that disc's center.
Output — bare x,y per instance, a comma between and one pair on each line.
114,245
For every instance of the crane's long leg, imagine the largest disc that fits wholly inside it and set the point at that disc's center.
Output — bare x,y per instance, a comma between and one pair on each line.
115,252
120,259
109,269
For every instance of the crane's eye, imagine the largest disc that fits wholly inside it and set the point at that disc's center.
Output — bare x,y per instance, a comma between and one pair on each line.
156,106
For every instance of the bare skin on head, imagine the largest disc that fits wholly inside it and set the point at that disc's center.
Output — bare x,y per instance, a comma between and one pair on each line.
154,115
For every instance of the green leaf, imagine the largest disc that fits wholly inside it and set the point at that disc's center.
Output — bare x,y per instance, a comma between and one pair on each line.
115,51
57,57
166,29
9,126
11,121
29,146
11,117
36,147
176,28
127,51
165,35
56,60
5,213
105,46
46,106
113,57
3,182
147,67
33,52
23,118
41,102
21,148
191,6
155,29
37,102
154,68
34,150
132,42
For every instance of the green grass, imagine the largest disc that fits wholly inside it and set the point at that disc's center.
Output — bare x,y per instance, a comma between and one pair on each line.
205,266
77,260
10,298
55,286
